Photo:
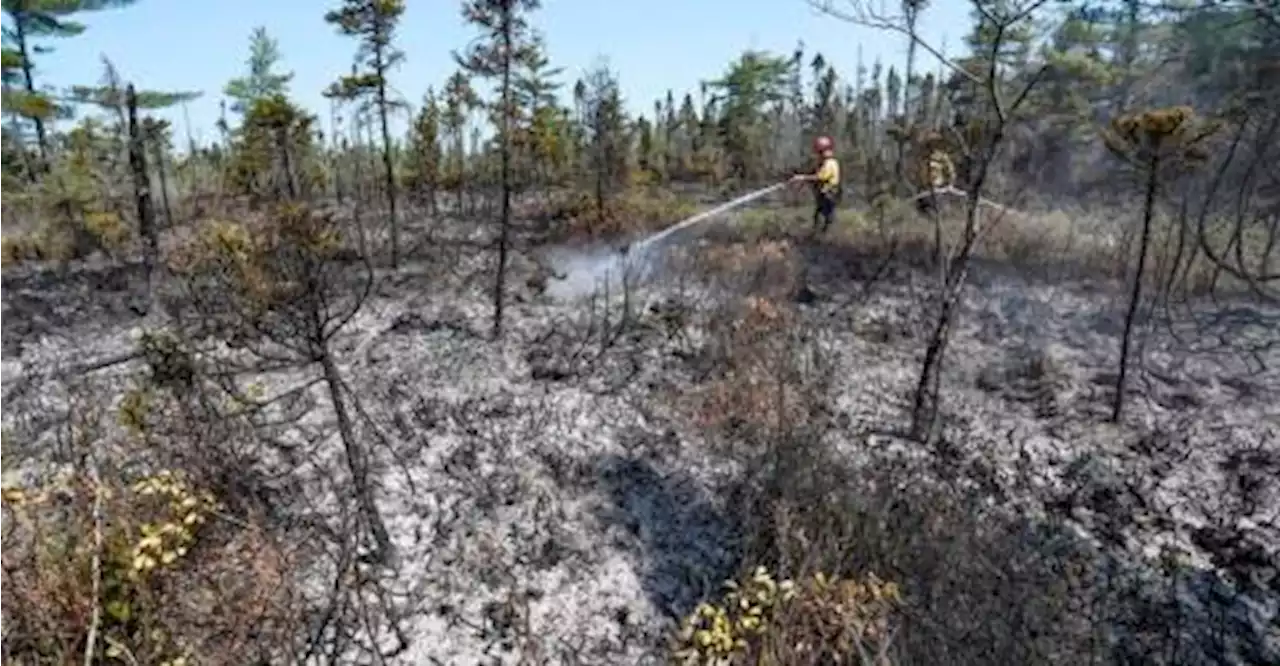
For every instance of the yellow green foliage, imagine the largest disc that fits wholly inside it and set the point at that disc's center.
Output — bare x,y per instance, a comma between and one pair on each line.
643,178
134,408
147,531
715,633
174,582
230,249
161,544
821,620
111,232
15,248
70,227
30,104
53,238
51,242
542,139
55,241
275,276
1159,134
275,133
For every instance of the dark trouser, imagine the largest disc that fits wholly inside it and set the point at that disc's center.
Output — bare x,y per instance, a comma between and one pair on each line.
824,211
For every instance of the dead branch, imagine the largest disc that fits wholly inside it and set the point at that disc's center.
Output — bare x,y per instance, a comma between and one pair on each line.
859,13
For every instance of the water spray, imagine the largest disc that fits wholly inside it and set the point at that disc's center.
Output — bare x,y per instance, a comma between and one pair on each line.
706,214
583,273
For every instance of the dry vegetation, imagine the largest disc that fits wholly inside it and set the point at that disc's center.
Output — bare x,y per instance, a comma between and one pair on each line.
294,398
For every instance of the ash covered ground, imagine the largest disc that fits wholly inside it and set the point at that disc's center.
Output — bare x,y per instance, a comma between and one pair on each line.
543,488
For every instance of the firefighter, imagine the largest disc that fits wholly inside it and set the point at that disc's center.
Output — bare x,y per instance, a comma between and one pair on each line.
935,170
933,165
826,183
940,170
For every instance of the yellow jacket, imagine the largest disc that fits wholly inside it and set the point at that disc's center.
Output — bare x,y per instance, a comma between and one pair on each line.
828,176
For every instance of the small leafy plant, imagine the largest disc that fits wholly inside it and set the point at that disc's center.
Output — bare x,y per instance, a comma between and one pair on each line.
820,620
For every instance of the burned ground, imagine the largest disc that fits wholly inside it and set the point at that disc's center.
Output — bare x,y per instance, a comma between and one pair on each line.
552,500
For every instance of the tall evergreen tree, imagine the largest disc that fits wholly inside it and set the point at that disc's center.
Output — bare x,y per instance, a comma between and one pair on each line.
262,80
425,154
506,41
752,85
606,127
373,22
536,86
31,20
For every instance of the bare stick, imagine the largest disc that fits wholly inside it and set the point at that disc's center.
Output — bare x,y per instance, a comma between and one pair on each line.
91,642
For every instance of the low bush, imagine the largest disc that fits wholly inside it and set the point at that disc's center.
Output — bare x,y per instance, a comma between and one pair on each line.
145,572
62,240
578,216
109,230
971,580
819,620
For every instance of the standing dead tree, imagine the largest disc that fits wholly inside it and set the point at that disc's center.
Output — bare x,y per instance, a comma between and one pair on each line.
999,97
1156,143
142,190
156,133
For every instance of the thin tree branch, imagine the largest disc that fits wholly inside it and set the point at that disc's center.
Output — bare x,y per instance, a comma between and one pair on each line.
859,14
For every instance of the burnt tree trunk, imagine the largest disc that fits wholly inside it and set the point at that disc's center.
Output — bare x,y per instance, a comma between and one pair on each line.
287,182
142,191
500,281
388,164
336,143
1135,295
926,401
161,171
29,83
357,461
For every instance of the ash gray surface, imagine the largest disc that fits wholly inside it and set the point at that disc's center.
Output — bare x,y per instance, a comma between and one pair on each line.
531,474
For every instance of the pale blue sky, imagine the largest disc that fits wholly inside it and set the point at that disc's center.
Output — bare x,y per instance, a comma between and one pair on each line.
653,44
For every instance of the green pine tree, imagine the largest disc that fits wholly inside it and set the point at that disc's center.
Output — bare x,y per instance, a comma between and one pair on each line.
373,22
31,20
262,80
506,41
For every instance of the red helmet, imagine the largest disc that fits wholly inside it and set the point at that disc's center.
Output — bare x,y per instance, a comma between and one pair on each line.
822,144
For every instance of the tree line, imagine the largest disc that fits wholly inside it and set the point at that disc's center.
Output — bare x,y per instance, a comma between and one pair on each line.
1024,109
748,124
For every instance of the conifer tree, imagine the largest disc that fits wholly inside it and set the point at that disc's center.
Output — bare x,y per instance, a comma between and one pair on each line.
425,154
536,88
752,84
459,99
506,41
31,20
606,127
262,80
373,22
